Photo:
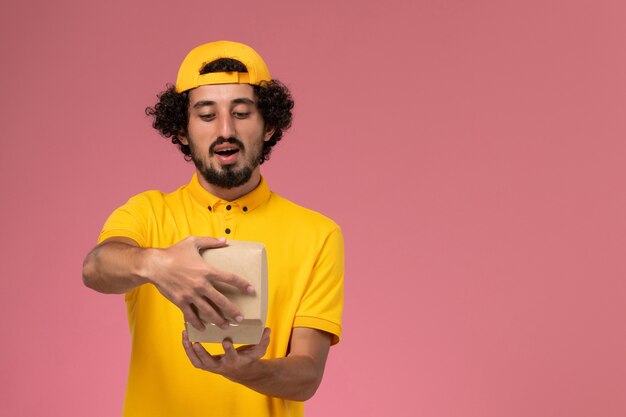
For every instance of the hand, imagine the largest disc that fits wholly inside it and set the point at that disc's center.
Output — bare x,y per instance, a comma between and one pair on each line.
184,278
234,364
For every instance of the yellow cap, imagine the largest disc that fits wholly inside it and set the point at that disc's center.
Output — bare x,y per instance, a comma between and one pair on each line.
189,73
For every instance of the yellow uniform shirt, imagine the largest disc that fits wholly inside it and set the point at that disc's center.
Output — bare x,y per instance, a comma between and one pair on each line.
305,289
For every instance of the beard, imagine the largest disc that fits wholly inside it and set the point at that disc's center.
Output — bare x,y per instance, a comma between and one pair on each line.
228,176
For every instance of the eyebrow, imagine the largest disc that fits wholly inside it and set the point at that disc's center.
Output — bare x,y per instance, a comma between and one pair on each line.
242,100
203,103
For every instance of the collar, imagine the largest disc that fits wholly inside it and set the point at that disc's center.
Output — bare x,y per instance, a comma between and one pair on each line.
250,201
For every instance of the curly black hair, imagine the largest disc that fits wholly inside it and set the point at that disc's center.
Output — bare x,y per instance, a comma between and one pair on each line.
275,103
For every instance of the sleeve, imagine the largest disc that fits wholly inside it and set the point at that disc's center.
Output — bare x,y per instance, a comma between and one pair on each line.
321,306
132,220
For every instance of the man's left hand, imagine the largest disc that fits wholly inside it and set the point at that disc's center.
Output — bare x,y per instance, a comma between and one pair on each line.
234,363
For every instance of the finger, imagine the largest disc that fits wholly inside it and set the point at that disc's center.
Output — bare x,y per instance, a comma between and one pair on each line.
265,337
210,306
234,280
205,242
191,317
258,351
261,348
208,362
244,348
191,354
220,300
230,353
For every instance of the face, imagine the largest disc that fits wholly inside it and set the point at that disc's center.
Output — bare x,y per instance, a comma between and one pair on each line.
226,133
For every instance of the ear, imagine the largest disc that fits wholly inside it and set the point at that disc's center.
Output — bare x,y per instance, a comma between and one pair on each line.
269,131
182,137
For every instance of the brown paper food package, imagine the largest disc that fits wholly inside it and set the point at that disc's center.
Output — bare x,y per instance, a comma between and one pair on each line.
249,261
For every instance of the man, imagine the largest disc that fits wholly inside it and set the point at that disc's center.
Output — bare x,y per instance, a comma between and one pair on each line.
225,114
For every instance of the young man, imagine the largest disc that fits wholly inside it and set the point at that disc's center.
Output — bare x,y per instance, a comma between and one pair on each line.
225,113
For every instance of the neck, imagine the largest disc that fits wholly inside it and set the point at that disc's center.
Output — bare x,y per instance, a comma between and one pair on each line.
230,194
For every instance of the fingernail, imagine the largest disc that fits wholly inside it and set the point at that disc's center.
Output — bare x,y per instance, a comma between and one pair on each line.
221,239
224,326
250,289
239,319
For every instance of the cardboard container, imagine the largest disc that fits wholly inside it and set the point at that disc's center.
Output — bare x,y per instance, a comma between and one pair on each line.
249,261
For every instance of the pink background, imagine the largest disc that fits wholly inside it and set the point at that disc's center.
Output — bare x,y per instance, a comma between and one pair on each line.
473,152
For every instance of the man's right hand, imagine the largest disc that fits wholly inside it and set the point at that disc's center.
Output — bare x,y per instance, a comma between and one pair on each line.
118,265
184,278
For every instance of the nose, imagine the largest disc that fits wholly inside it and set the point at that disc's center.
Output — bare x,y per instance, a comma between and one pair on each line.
227,126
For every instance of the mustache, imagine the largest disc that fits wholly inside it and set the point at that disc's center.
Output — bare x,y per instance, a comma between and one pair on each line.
221,139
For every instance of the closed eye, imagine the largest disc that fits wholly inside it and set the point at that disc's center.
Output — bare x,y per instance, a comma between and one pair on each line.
241,115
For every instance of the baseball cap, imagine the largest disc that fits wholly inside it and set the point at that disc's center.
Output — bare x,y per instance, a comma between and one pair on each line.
189,73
